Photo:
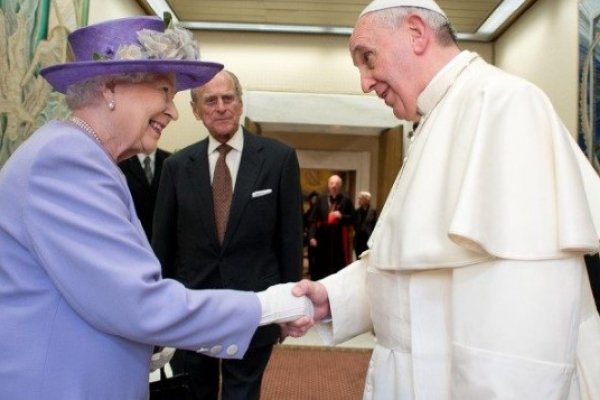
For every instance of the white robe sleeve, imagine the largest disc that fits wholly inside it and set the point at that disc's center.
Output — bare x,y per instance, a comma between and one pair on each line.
347,291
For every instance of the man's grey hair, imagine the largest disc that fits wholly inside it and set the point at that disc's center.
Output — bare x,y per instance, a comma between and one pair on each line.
89,91
444,33
364,195
236,85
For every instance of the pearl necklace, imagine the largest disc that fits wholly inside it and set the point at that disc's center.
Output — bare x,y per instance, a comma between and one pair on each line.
85,126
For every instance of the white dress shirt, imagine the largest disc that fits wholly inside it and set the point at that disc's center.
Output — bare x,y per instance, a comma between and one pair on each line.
142,156
233,157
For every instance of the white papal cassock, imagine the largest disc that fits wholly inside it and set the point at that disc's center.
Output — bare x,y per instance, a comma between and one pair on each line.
475,283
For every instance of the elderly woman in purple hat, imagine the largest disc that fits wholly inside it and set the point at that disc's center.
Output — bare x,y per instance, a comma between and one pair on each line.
82,302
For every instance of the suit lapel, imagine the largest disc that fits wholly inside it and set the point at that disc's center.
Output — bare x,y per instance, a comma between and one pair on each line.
248,171
158,162
198,173
136,170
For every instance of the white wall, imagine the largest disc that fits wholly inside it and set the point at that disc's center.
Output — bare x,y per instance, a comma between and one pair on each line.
101,10
542,47
272,63
287,63
266,62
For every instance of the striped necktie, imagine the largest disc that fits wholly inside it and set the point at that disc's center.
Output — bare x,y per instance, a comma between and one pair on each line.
148,169
222,191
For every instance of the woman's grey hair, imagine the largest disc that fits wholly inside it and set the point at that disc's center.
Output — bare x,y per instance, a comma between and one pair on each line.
444,32
88,92
236,85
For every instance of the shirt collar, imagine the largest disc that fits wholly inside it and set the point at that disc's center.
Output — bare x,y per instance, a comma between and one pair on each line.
141,156
442,81
236,142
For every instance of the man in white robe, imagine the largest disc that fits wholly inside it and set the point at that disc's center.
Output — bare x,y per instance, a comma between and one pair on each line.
474,284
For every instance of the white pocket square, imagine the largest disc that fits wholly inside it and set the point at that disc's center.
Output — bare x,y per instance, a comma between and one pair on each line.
260,193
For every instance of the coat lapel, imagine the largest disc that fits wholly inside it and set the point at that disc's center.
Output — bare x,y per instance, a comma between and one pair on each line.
198,173
250,166
158,162
134,166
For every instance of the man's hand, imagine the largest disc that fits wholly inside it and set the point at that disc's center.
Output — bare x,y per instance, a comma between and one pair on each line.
317,294
280,306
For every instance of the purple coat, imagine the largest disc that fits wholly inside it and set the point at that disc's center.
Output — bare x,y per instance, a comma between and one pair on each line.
82,301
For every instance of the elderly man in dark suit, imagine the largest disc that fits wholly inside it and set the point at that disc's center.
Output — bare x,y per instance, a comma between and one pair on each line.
143,174
229,215
365,218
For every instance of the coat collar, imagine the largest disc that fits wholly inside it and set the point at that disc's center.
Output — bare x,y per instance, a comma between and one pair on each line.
443,81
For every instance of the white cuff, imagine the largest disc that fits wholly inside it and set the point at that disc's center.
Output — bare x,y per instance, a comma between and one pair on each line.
161,358
325,331
280,305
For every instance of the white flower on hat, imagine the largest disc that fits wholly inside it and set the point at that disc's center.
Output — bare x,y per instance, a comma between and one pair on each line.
130,52
172,44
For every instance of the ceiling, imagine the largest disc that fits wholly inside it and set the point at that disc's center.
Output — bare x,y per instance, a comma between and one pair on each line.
325,16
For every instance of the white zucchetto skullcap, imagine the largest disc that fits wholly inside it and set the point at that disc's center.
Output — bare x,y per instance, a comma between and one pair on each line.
377,5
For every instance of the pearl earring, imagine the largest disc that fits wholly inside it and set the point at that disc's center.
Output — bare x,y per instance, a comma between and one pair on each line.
111,105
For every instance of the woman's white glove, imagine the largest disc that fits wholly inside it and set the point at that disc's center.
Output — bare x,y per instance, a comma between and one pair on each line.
280,305
161,358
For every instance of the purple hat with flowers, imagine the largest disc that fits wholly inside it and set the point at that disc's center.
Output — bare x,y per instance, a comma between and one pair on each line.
134,44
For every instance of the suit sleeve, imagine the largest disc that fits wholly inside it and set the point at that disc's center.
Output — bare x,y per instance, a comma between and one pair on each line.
349,303
290,220
164,235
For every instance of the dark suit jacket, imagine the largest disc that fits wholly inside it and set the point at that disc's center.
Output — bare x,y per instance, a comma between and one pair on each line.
143,193
263,239
364,224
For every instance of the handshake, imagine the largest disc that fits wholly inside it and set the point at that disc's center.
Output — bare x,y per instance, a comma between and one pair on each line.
294,306
279,305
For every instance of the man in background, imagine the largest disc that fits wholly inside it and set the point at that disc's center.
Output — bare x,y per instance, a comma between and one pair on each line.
311,252
143,175
330,230
229,215
365,218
